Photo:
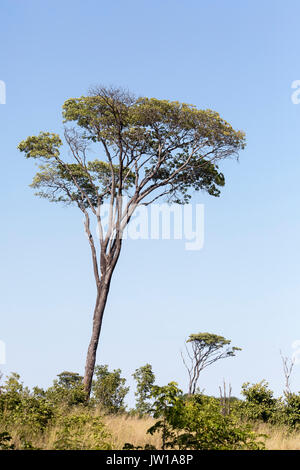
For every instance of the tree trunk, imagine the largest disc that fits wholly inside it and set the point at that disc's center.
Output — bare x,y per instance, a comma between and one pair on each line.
102,295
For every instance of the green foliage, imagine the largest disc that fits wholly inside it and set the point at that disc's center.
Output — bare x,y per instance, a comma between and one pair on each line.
145,379
45,145
61,411
71,182
208,339
67,390
157,136
144,124
291,410
81,431
209,343
12,394
23,408
65,183
103,113
168,405
69,380
109,389
259,402
260,405
31,419
205,427
196,422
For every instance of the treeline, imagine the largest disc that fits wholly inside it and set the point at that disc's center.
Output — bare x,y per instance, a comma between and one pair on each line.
64,416
60,417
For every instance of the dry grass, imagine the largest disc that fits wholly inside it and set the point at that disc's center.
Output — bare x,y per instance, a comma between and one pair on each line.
134,430
131,429
279,438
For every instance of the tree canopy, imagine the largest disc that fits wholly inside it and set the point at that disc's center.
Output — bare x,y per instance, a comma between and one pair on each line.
146,144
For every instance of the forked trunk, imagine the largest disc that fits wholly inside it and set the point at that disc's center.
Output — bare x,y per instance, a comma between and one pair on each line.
102,293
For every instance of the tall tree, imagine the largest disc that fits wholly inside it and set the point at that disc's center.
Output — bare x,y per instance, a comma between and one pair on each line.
149,149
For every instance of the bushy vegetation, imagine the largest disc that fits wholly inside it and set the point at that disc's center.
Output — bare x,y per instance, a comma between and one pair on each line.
196,422
60,417
259,402
261,406
56,418
109,389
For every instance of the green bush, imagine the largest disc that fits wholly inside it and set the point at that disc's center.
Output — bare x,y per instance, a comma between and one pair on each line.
21,408
259,403
291,410
196,422
59,416
67,390
81,432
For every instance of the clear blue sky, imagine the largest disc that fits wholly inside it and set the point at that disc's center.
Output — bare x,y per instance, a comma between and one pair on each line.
238,58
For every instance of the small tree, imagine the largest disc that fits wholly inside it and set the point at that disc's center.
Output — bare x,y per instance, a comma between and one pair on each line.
259,401
69,379
206,348
109,389
168,405
148,149
145,379
67,390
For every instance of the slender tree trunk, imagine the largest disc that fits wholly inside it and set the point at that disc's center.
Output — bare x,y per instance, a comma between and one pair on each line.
102,295
108,264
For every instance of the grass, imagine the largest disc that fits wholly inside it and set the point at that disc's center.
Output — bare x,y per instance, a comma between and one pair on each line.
131,429
279,438
134,430
114,432
121,429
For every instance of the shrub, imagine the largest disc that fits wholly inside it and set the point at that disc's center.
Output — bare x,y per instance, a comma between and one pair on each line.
81,432
291,410
259,402
196,422
67,390
20,408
